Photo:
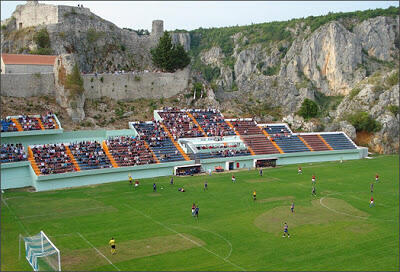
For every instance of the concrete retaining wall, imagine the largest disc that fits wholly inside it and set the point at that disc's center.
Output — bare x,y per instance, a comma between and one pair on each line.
27,85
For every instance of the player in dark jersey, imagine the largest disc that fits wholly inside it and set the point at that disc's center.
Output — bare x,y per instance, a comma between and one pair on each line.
292,207
286,230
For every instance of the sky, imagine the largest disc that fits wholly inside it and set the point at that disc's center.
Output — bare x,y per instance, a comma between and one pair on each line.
191,15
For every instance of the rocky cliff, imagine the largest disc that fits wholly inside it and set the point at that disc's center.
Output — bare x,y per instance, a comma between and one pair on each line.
343,65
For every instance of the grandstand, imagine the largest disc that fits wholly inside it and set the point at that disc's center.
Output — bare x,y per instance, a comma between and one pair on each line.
175,137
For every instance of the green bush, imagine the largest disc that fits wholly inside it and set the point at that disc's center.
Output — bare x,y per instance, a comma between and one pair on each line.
198,89
393,109
362,121
308,109
272,70
137,78
392,80
354,92
42,38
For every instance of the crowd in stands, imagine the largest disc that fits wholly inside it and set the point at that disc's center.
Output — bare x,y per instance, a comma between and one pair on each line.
152,133
7,125
212,122
52,159
48,120
90,155
12,153
29,123
179,123
128,151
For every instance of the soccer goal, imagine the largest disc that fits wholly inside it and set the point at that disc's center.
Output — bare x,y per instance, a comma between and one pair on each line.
41,253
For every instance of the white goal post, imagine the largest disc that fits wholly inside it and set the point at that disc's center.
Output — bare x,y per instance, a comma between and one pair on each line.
41,253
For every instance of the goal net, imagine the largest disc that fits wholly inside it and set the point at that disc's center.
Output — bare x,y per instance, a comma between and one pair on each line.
41,253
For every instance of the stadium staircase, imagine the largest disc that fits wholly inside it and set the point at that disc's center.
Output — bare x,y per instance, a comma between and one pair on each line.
72,158
323,140
273,142
184,155
40,123
151,151
241,138
33,162
109,155
315,142
196,123
309,147
17,124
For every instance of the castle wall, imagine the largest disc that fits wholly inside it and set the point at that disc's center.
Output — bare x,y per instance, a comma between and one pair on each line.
133,86
27,85
35,14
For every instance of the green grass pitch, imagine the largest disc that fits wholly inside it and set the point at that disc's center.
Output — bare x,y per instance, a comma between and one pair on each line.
334,230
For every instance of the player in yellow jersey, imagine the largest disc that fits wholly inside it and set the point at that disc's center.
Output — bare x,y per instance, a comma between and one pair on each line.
254,195
130,179
112,244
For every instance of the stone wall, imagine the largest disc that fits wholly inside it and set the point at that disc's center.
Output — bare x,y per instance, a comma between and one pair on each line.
27,69
133,86
33,14
27,85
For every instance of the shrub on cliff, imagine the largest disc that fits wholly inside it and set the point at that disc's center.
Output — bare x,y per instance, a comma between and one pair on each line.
42,40
362,121
308,109
74,82
169,57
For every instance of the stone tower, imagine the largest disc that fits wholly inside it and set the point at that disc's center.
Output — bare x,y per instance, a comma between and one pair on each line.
157,28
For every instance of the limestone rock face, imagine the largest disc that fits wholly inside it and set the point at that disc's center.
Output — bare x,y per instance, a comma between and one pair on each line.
377,36
328,58
72,103
347,128
182,39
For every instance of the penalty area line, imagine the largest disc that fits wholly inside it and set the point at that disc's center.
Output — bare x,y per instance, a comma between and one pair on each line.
194,242
98,251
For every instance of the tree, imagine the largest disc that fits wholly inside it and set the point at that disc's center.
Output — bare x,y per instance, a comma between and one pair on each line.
308,109
168,56
74,81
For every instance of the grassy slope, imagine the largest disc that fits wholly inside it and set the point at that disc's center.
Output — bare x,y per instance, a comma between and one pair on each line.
227,225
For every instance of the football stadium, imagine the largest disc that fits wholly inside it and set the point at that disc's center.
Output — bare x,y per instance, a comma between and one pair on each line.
262,197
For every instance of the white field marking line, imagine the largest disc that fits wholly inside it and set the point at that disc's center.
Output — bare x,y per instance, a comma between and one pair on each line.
98,251
335,211
18,219
67,212
223,238
194,242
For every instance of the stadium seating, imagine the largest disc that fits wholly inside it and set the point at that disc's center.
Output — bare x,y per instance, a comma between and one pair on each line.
338,141
212,122
52,159
220,154
180,124
89,155
128,151
7,125
253,137
12,153
290,143
315,142
276,129
158,141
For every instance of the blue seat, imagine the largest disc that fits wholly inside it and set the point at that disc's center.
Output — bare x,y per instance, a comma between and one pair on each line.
338,141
